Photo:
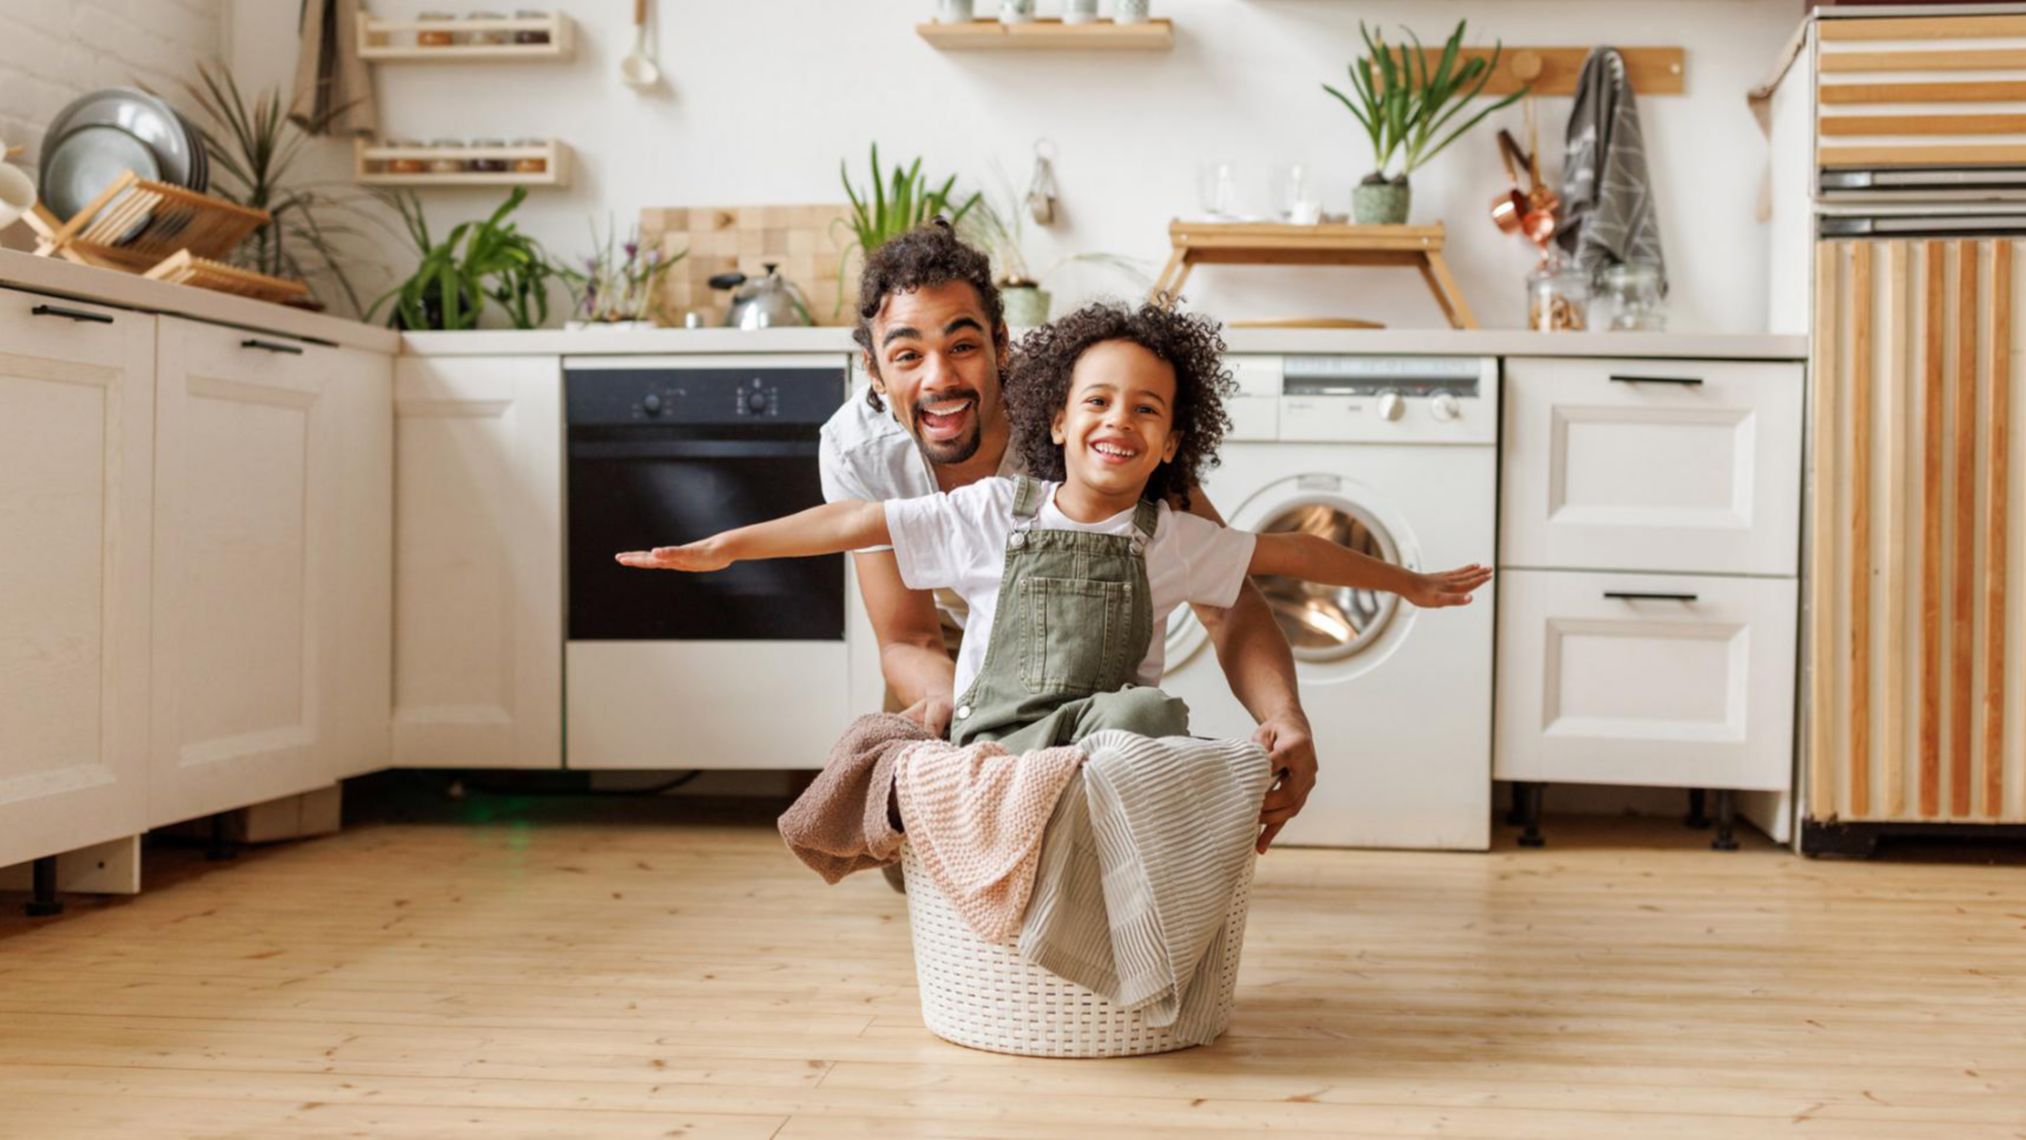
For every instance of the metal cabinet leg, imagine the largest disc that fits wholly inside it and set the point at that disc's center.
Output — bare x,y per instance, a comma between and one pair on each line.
45,902
1698,817
1516,812
1726,816
1531,837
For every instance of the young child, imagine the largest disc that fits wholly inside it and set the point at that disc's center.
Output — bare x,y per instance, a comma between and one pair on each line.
1071,574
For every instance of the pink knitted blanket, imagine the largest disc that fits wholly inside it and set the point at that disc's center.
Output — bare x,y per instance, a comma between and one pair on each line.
975,815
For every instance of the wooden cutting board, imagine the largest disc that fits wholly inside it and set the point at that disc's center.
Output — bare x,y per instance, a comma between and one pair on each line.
805,241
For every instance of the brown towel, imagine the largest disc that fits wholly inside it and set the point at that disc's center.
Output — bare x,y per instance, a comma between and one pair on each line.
333,89
839,823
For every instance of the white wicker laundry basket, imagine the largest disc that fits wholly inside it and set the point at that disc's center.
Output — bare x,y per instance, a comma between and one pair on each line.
985,995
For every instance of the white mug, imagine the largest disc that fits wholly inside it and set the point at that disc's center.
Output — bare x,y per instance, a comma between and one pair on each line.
1079,11
1130,12
17,194
1016,11
954,12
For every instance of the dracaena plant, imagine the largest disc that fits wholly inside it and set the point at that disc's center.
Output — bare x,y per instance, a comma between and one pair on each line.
1406,104
489,260
897,202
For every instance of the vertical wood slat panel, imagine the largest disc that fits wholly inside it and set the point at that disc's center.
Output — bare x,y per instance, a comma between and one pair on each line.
1894,426
1962,436
1997,474
1822,785
1934,285
1863,313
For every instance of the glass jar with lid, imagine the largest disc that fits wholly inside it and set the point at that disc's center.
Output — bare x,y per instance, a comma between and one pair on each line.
531,35
449,157
404,163
487,36
1558,295
436,31
494,163
531,163
1630,298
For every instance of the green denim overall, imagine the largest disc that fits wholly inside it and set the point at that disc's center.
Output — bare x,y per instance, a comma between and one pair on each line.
1074,620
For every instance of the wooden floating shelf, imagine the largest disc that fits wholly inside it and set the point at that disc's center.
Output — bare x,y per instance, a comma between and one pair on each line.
394,41
370,165
1049,35
1554,70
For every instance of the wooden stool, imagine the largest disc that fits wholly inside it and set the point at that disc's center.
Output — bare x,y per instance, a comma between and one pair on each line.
1266,243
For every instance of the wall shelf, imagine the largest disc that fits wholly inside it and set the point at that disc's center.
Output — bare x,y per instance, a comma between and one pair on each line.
1049,35
395,41
370,164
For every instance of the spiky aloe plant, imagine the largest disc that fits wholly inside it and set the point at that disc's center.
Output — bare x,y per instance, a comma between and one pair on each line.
897,203
1405,104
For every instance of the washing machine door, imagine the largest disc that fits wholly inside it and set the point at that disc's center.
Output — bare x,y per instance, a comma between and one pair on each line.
1324,625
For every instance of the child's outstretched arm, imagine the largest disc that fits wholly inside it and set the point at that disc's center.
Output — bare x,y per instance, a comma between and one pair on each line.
1314,558
832,528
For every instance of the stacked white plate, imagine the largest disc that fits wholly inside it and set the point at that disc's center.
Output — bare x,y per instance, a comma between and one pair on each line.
101,135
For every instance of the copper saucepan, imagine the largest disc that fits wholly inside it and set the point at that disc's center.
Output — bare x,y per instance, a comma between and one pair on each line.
1510,206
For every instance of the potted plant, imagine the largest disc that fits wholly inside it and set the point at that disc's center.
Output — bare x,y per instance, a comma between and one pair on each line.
999,226
478,261
1405,106
616,288
897,202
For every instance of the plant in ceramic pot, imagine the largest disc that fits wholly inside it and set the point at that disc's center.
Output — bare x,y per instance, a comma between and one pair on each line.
1406,104
897,202
476,262
617,285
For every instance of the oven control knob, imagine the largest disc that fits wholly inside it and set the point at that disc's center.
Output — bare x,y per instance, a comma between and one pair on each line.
1392,405
756,402
651,404
1445,407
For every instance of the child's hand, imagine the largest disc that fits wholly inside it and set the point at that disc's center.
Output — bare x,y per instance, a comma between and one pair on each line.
1447,588
696,558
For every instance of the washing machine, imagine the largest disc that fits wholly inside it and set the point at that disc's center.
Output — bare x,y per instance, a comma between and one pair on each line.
1395,456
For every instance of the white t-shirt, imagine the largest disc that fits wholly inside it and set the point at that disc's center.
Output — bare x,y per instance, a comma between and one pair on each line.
958,540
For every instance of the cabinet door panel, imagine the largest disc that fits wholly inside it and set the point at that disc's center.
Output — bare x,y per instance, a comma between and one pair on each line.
76,424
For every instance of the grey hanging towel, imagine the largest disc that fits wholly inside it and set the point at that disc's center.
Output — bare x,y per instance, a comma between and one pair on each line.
1611,217
333,90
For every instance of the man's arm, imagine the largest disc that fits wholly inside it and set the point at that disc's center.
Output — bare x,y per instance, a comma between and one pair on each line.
1260,670
832,528
910,633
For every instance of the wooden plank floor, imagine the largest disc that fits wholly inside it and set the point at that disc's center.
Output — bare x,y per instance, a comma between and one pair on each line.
512,966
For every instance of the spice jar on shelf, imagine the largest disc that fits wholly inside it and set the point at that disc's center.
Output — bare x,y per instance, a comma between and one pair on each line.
1558,295
531,163
1629,298
404,164
488,163
531,35
490,36
449,158
439,35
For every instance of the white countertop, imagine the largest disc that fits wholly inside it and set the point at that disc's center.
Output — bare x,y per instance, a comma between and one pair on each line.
61,278
1432,342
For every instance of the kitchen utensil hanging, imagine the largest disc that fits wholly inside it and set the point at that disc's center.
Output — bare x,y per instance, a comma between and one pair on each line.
1041,187
638,69
1543,204
1510,206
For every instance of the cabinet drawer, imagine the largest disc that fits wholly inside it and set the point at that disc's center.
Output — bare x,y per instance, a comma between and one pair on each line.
1682,466
1689,685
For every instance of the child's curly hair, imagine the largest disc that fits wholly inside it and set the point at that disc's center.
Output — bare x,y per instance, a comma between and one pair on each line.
1038,383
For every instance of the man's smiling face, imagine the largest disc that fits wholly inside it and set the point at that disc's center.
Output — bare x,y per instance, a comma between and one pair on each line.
938,367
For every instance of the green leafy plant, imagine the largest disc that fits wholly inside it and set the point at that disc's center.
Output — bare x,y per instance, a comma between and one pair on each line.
1405,105
898,202
255,146
477,261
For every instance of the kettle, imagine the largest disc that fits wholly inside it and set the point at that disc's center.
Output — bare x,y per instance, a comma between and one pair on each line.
763,302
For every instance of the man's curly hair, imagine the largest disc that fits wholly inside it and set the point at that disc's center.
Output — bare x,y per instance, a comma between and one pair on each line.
1038,384
922,258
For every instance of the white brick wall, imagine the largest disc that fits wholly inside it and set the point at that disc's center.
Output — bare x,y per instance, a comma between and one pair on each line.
52,51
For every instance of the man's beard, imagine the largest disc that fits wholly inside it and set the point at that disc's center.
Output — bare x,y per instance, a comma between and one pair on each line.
958,450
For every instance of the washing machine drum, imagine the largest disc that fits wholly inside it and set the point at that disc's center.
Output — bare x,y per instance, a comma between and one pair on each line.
1321,623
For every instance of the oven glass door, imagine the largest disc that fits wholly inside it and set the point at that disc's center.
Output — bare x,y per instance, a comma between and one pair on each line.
638,494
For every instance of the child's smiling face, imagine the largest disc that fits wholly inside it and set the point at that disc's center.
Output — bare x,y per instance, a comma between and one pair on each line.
1118,425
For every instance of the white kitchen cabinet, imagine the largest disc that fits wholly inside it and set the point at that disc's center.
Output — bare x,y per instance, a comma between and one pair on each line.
478,582
1677,680
1659,465
76,443
250,562
363,690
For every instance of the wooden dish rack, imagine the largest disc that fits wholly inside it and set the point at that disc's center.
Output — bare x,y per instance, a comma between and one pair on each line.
164,232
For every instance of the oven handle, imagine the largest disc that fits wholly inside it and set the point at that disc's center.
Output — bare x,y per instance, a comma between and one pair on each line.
693,449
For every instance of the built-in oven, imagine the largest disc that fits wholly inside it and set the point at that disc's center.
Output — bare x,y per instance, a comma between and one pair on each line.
675,670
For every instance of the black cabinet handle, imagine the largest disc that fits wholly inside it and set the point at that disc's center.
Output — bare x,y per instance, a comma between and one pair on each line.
1626,596
271,346
70,314
1685,381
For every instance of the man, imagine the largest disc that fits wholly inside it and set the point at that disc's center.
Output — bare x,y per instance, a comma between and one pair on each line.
932,337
